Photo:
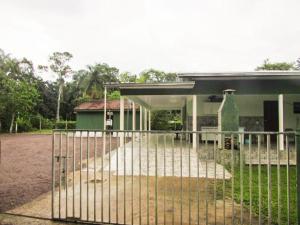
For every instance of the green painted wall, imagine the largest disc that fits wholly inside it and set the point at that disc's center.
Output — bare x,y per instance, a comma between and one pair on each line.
94,120
89,120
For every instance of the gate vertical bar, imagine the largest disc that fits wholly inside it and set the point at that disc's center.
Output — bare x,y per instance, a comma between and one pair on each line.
269,181
198,186
241,138
148,207
173,188
140,184
223,163
288,180
95,175
117,178
60,172
189,195
297,141
156,183
215,178
206,177
53,174
66,176
109,179
102,170
250,176
259,179
132,140
181,191
73,185
278,182
232,178
164,178
87,175
124,180
80,175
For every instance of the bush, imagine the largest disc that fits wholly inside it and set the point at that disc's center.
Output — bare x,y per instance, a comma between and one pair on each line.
65,125
24,125
45,123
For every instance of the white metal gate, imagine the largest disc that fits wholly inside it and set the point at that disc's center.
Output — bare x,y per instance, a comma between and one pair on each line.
156,177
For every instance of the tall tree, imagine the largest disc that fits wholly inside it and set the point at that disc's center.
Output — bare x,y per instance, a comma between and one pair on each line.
127,77
267,65
156,76
97,76
59,65
298,64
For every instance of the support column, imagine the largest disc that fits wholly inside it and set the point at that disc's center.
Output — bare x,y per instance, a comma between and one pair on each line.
145,119
133,117
281,121
141,118
149,120
194,121
104,115
121,120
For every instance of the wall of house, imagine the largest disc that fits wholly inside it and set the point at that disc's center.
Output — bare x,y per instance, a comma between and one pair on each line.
94,120
251,110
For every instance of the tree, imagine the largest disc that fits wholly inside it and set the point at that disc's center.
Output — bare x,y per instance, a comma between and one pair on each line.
298,64
59,65
97,76
20,97
156,76
267,65
127,77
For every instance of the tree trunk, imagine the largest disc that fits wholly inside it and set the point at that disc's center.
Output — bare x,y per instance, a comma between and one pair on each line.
58,101
12,123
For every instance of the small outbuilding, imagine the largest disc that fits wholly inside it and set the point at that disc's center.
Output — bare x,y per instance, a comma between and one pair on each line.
90,115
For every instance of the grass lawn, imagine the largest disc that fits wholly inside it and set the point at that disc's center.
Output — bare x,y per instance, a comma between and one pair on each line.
264,191
41,132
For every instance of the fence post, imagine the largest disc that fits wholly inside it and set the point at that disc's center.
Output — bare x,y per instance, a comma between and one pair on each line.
298,172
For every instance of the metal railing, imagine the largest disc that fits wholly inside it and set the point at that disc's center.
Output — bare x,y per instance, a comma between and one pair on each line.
156,177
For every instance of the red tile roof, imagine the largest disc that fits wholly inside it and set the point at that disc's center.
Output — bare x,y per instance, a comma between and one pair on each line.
99,105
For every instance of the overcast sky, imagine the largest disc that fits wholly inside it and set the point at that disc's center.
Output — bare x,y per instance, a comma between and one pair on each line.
170,35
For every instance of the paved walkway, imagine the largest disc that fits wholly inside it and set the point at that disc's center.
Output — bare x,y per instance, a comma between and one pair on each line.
169,161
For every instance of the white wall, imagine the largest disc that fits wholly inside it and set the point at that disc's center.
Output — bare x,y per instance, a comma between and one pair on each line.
250,105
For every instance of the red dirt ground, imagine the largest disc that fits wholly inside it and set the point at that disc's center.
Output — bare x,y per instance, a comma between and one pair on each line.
25,168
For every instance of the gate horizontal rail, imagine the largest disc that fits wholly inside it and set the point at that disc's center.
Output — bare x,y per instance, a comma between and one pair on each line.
157,177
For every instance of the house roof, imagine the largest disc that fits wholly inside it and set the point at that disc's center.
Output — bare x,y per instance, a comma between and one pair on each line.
99,105
265,75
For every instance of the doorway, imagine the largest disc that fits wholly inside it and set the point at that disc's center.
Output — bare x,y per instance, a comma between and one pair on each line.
271,118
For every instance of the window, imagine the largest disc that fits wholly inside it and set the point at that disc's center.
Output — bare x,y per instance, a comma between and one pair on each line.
296,107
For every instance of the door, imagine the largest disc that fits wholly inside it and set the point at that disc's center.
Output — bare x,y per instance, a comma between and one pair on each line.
271,118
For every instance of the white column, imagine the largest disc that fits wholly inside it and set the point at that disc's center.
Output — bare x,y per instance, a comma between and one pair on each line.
281,121
145,119
104,115
141,118
121,120
194,121
133,116
149,120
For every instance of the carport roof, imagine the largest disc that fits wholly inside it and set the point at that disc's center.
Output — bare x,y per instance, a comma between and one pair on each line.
275,74
99,105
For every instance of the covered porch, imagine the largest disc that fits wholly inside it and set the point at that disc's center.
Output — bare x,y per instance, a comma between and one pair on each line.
267,102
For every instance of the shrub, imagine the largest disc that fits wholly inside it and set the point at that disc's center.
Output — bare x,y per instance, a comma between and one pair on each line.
24,125
45,123
65,125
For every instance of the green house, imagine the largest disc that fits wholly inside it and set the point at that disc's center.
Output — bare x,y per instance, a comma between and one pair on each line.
90,115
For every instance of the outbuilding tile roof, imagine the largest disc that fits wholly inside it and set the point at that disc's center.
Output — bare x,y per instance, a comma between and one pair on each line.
99,105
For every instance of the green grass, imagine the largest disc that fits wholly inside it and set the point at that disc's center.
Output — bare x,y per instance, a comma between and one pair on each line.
264,191
46,131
